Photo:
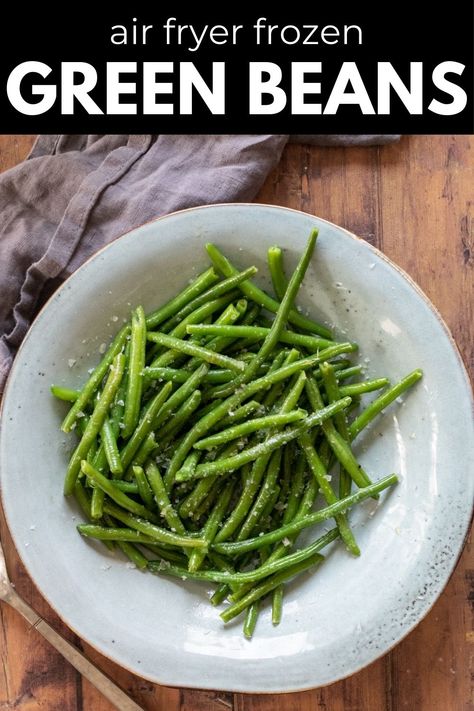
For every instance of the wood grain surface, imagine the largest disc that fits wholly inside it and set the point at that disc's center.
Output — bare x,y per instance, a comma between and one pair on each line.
415,201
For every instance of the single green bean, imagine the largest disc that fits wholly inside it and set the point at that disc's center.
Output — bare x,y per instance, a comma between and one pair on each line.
66,394
108,533
162,500
136,364
241,413
259,333
193,350
277,272
239,547
110,447
95,379
200,284
367,386
129,487
259,423
340,421
260,297
380,403
251,619
95,422
220,288
278,440
144,489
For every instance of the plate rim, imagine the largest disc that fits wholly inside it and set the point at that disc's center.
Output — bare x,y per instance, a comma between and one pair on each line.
460,361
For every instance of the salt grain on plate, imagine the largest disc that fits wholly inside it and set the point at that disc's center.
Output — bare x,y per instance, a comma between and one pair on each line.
102,348
71,362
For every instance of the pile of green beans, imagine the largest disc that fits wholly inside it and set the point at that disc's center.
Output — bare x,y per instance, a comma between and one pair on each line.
212,429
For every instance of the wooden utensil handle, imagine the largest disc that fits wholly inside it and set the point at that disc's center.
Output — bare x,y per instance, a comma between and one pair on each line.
102,682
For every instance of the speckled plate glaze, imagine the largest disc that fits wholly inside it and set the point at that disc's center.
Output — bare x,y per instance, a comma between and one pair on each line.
353,610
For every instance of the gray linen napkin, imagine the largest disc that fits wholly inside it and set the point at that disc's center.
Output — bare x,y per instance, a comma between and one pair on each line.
74,194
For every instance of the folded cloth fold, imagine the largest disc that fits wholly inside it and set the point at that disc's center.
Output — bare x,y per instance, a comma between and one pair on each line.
76,193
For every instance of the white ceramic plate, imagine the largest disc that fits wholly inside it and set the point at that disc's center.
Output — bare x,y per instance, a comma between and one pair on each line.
352,611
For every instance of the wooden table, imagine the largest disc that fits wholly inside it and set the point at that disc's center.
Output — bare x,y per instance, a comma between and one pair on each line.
415,201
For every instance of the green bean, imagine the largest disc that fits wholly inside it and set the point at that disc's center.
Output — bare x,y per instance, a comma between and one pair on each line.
271,397
145,424
251,619
239,547
219,595
85,504
337,443
161,497
181,416
264,588
187,470
246,498
95,379
229,316
292,512
110,448
197,316
281,317
260,297
144,489
380,403
151,530
213,417
129,487
180,375
193,350
345,373
340,421
367,386
320,473
266,491
115,494
95,422
296,491
259,333
277,272
247,455
211,526
241,413
175,375
206,504
109,533
259,423
220,288
66,394
277,604
200,284
133,554
146,448
180,395
136,364
265,570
